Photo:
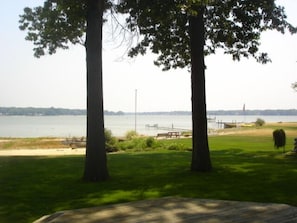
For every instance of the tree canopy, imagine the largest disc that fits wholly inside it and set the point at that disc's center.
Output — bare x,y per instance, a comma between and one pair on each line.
234,26
56,24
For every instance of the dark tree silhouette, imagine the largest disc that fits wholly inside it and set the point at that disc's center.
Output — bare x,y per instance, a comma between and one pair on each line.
56,24
279,137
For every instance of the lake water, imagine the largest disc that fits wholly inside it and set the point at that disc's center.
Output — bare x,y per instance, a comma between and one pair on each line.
68,126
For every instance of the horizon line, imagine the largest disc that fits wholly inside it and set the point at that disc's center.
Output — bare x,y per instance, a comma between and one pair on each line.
160,111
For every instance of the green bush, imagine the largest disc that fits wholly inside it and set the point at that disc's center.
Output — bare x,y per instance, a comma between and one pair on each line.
110,141
134,144
259,122
150,141
177,147
138,143
131,134
109,138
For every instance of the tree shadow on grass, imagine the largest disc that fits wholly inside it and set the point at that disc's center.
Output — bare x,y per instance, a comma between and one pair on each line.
35,186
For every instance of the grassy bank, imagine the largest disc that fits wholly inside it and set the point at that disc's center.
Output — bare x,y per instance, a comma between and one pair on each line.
31,143
246,168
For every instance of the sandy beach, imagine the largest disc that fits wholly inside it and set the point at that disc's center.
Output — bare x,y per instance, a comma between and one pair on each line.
43,152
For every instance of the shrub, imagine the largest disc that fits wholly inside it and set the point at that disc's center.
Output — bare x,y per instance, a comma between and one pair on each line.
177,147
138,144
109,138
131,134
110,141
279,137
173,146
135,144
149,142
259,122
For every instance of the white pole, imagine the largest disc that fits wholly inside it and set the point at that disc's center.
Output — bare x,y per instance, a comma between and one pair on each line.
243,109
135,110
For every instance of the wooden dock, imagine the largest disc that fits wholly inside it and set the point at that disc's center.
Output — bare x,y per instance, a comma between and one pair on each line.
166,128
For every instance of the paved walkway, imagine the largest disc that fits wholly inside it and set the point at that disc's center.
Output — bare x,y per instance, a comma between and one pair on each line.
173,210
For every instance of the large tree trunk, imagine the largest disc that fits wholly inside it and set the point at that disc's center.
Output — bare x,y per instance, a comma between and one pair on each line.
95,162
200,155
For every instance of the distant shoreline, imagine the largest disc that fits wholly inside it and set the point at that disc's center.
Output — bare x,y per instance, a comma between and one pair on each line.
32,111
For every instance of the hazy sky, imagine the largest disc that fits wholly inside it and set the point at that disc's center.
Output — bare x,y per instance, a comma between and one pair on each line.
60,80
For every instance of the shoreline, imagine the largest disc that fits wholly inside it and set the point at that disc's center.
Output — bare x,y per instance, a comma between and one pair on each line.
55,146
279,124
69,126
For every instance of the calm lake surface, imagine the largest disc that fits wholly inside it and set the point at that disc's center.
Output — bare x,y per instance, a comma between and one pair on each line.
68,126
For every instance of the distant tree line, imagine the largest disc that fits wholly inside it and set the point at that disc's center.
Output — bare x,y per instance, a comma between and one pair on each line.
32,111
271,112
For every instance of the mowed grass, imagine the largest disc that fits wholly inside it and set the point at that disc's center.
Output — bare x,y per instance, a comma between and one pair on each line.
246,168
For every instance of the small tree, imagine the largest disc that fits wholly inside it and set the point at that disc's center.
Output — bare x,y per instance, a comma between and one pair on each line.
259,122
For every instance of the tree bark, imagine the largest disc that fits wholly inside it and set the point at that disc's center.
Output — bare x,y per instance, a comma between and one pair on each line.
200,155
95,161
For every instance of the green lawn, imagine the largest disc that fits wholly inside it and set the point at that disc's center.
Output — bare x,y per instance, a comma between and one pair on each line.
246,168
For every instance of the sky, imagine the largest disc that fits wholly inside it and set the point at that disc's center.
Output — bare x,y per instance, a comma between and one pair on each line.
59,80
